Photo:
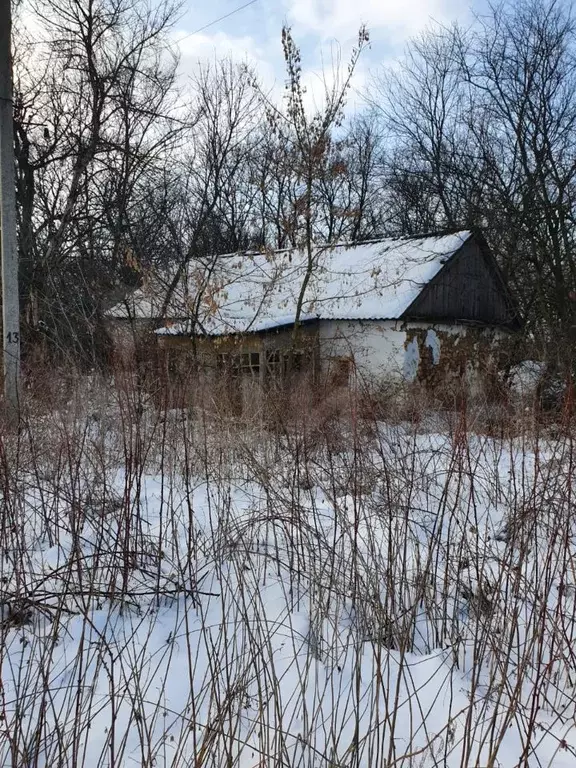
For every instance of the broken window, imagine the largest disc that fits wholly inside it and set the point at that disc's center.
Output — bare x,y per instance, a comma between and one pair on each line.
281,364
273,362
340,371
293,362
172,363
296,362
223,361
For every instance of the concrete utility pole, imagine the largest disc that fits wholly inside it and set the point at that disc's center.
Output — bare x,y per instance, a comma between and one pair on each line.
8,237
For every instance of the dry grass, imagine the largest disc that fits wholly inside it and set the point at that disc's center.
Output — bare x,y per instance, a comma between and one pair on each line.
328,587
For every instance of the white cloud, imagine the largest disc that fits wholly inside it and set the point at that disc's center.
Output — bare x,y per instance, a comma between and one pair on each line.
328,76
323,65
317,25
202,47
342,18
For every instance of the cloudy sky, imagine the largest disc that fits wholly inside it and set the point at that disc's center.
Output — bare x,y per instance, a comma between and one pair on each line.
324,29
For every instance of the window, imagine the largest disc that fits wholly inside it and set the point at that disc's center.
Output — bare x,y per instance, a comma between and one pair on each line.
172,363
294,362
274,363
283,363
235,365
223,363
340,371
249,362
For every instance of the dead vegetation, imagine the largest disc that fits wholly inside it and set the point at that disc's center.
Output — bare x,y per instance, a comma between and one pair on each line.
180,588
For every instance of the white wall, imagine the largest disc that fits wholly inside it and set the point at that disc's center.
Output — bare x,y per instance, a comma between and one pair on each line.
380,348
376,346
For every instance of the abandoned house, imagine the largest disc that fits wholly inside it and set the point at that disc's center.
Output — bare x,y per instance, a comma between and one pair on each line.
425,308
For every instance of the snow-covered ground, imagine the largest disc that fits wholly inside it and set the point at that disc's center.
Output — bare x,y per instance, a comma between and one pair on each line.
176,596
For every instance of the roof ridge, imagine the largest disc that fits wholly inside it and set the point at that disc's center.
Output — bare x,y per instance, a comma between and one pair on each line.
351,243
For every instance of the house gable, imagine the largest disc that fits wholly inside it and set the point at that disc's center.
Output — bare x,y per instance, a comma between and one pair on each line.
469,289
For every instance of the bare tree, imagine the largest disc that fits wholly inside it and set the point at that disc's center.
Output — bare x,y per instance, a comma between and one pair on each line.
308,139
94,113
349,190
522,69
481,124
228,106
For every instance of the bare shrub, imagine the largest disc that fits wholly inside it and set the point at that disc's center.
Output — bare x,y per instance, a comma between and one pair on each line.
177,588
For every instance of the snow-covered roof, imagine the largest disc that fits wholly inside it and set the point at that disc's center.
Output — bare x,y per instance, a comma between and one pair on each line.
376,280
146,303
